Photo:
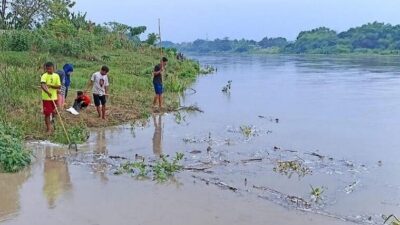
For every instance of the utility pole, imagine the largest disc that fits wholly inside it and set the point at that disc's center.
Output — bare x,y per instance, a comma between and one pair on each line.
159,35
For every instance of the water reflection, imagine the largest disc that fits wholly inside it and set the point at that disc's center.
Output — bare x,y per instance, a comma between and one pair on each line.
157,137
9,192
99,157
57,180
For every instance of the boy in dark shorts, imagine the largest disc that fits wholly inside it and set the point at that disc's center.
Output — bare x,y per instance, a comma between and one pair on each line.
50,83
158,82
99,84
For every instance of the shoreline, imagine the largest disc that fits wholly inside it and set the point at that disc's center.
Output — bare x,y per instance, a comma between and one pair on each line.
130,87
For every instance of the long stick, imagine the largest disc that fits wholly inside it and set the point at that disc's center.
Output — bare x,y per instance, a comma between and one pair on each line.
62,123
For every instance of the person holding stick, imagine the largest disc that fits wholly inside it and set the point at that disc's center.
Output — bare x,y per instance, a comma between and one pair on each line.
50,84
99,84
158,82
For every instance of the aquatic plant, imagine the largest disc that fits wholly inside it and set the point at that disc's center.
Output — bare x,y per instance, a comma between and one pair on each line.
138,168
161,171
290,167
316,193
247,131
165,168
207,70
13,155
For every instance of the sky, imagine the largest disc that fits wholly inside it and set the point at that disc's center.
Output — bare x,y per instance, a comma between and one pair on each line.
188,20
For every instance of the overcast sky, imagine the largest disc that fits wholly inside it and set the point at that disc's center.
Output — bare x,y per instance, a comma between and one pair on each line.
187,20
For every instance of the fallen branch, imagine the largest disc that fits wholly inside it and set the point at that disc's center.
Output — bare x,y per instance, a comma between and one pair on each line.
252,160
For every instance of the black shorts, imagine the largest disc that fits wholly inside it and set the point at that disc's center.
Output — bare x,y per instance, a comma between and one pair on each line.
99,100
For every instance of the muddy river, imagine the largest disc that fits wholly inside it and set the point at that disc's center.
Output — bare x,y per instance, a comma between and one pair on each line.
286,125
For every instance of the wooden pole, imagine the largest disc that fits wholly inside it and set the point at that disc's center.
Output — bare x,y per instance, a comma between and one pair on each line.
159,35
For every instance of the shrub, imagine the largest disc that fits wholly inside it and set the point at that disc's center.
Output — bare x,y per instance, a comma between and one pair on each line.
13,155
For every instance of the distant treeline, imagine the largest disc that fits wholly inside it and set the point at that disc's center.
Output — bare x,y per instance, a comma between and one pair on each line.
374,38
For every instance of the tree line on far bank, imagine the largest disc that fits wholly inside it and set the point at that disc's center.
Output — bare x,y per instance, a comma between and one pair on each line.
371,38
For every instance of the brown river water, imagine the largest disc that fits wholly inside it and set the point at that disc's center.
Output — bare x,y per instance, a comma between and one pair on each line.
337,116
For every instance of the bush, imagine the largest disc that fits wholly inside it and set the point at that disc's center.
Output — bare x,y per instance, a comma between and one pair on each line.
13,155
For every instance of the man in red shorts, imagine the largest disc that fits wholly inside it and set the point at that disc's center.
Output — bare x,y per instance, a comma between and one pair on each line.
50,83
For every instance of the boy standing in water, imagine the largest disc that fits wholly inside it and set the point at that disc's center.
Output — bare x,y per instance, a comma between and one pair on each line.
158,82
50,83
99,84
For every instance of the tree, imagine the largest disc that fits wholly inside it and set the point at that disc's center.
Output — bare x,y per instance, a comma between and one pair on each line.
321,40
119,28
273,42
5,14
136,31
152,39
60,9
28,13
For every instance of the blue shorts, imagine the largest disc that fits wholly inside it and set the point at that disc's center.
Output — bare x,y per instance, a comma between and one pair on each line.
158,88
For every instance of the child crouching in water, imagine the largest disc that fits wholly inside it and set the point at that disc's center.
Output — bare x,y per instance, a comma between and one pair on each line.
81,102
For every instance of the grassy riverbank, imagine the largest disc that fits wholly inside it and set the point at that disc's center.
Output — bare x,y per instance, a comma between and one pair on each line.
130,88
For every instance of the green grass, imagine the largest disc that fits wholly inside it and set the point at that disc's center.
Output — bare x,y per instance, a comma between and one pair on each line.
130,87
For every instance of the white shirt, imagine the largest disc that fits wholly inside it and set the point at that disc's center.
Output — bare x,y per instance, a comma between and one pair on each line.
100,82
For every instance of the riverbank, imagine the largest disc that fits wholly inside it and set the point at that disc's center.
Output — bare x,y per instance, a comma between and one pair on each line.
131,88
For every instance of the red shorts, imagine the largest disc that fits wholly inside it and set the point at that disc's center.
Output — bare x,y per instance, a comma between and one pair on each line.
48,107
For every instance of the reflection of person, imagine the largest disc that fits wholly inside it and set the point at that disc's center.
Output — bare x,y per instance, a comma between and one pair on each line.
157,137
100,167
56,176
101,145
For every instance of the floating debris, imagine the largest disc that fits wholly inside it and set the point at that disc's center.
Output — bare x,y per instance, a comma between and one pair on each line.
195,152
192,108
316,155
290,167
227,88
117,157
350,188
252,160
216,182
